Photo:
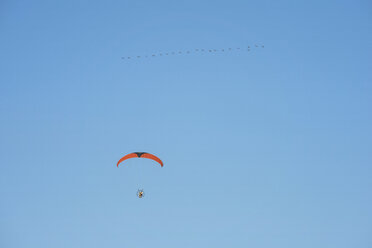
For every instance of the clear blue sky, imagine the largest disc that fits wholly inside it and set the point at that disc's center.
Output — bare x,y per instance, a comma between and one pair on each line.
267,148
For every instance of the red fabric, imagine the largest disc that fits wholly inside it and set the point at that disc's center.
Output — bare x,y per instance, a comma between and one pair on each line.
153,157
128,156
144,155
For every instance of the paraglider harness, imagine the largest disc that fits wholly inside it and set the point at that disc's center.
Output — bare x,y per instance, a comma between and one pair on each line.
140,193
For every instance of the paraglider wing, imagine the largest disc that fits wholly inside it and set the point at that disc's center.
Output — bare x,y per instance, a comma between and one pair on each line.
153,157
128,156
140,155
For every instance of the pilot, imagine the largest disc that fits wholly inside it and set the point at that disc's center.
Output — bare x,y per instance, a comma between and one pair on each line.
140,193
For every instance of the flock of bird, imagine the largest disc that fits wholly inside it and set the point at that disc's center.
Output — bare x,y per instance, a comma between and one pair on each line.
248,48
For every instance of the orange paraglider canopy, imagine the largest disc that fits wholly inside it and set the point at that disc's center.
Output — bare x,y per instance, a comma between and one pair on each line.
140,155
